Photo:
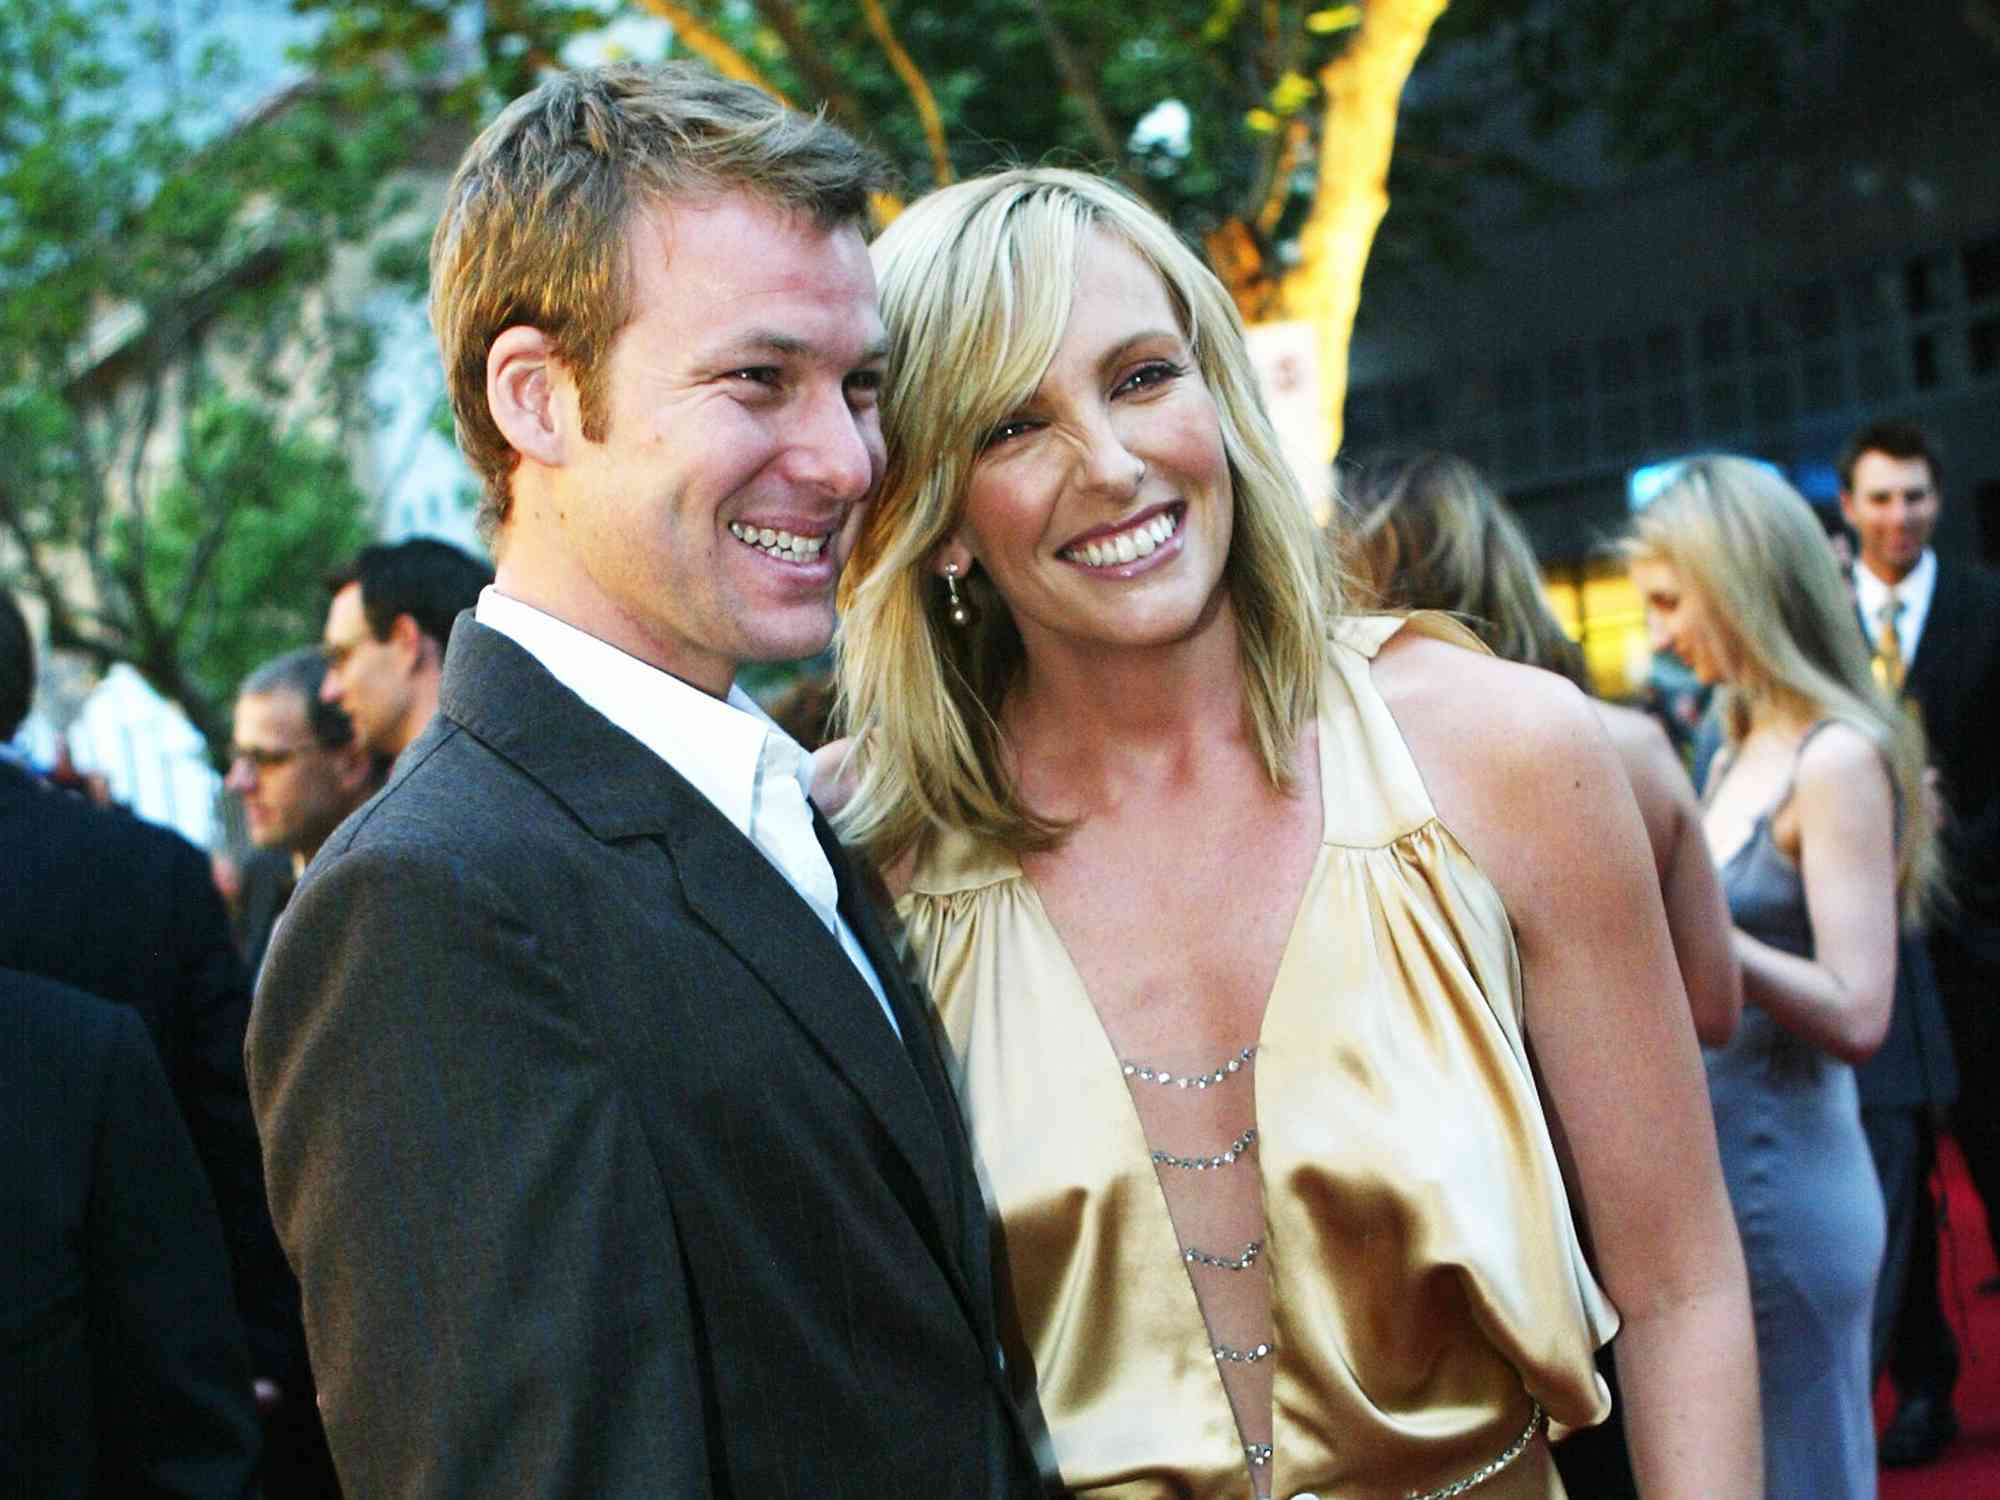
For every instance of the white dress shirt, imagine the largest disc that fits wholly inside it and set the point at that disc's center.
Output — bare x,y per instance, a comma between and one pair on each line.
729,750
1914,593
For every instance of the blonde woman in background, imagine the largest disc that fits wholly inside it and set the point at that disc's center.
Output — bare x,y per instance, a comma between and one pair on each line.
1243,915
1817,812
1428,532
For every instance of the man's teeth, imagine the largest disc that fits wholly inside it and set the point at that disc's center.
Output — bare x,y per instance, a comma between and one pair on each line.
779,544
1107,552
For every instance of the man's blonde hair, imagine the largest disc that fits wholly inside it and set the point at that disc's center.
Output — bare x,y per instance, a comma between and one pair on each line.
535,228
976,281
1748,543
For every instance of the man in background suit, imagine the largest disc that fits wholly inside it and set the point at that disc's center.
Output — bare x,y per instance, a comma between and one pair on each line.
1934,626
122,1365
386,628
298,770
614,1153
127,911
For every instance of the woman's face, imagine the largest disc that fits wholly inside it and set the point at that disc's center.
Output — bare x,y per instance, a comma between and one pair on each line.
1101,509
1679,619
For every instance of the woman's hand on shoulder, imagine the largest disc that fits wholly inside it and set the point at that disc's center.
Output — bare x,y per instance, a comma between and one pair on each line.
836,776
836,773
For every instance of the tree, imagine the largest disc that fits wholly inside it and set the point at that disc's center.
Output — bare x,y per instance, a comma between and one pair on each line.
1272,132
173,367
1287,110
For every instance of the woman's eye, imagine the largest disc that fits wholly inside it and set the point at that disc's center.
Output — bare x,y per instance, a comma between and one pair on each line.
1012,428
1153,372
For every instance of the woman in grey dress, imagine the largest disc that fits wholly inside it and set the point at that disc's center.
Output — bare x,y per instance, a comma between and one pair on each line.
1816,815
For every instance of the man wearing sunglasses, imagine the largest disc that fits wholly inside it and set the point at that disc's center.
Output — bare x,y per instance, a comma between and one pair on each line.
298,769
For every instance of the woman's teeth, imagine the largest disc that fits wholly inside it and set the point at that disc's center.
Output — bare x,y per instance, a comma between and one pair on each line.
1140,541
779,544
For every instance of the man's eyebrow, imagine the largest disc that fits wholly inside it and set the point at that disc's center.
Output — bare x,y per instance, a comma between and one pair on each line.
772,344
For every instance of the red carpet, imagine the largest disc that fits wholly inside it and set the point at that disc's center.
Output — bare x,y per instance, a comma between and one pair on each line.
1970,1467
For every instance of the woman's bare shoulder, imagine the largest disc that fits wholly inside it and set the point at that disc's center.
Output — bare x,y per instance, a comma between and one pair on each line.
1658,778
1518,766
1839,752
1457,705
1635,734
1842,772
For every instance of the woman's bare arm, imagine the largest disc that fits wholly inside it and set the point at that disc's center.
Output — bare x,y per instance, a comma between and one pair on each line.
1697,915
1539,799
1839,999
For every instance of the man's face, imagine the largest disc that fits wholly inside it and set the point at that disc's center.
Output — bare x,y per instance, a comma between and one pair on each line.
709,526
369,679
1893,508
295,791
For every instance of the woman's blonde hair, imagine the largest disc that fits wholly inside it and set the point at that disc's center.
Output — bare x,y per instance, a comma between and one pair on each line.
1428,532
1748,543
976,281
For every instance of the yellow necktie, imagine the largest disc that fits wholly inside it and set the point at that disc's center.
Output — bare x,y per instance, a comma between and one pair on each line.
1889,665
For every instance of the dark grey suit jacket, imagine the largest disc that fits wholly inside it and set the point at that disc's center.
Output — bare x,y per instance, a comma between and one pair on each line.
126,910
123,1370
602,1171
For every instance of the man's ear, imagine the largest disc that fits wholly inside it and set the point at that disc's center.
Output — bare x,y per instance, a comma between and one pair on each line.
407,639
521,395
1847,506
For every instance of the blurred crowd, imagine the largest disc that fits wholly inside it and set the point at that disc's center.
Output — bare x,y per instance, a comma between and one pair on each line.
161,1350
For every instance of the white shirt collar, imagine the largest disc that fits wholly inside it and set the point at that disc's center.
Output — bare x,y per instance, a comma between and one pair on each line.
720,745
728,749
1914,593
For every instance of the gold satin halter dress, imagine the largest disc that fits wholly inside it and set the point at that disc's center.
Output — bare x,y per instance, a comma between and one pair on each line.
1428,1291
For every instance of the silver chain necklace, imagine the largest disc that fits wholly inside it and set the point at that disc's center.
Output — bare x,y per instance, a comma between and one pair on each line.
1258,1454
1227,1158
1242,1262
1161,1076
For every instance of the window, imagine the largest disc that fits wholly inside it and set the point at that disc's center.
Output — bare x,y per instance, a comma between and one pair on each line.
1982,270
1716,336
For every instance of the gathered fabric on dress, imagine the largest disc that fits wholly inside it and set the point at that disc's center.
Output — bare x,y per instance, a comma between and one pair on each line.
1807,1202
1428,1287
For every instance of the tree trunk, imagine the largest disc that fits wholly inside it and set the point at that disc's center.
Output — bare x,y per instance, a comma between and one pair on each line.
1361,91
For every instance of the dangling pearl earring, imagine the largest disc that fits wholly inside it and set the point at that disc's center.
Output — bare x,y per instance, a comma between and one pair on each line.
956,609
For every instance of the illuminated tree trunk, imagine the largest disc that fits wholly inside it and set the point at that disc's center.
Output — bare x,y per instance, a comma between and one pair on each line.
1360,92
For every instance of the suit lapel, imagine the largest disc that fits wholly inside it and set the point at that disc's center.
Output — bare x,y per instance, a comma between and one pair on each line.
913,1016
1943,627
748,905
618,789
968,1265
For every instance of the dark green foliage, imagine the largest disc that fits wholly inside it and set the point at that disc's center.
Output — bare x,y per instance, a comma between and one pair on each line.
172,371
